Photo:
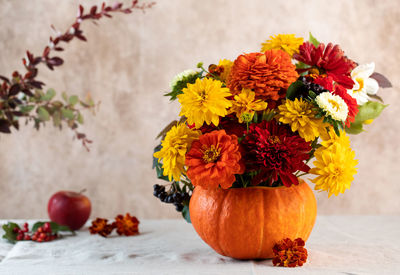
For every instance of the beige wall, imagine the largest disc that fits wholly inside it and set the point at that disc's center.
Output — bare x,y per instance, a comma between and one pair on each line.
128,63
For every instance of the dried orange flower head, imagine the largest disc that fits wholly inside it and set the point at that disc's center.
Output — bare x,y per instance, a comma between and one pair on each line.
127,225
101,227
268,74
290,253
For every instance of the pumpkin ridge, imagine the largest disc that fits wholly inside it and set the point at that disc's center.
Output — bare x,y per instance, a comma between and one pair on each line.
262,225
221,206
300,193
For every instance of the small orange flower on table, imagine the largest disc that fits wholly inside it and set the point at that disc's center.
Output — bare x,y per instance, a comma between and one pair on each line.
290,253
126,225
101,227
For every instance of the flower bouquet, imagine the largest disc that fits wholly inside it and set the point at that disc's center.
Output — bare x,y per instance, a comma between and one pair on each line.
247,132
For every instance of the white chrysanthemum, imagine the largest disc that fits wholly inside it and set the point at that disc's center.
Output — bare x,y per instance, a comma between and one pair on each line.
180,76
333,105
363,84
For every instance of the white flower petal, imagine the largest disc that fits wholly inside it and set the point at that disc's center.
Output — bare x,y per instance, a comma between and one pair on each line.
363,71
371,86
356,85
361,96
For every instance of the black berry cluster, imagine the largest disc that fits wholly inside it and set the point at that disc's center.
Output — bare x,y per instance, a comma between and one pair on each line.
309,86
177,197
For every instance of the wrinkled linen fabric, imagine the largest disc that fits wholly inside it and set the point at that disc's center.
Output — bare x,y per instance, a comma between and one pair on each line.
337,245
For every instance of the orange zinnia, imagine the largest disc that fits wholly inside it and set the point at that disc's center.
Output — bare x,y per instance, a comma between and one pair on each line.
214,160
268,74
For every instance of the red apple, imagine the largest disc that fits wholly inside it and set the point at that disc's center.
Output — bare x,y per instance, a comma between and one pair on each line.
69,208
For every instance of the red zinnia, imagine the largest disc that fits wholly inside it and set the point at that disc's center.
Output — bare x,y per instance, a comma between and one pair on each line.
273,150
325,82
290,253
213,160
330,59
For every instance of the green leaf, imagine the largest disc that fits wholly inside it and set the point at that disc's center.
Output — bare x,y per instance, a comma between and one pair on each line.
181,84
57,118
64,96
55,227
27,108
158,165
160,173
370,110
73,99
312,94
255,117
186,213
301,65
293,89
313,40
355,129
43,114
9,233
155,160
49,95
80,118
67,113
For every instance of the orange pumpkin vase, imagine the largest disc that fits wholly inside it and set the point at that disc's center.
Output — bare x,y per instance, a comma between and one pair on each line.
245,223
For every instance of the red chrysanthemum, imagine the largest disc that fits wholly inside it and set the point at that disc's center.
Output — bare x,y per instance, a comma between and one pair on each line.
268,74
350,101
330,60
213,160
290,253
273,150
229,123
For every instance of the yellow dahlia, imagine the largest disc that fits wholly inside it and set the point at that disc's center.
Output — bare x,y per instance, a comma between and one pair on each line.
333,105
286,42
227,65
335,168
299,114
204,101
174,147
245,104
329,138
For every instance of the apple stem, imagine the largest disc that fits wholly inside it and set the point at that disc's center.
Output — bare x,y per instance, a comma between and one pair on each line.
82,191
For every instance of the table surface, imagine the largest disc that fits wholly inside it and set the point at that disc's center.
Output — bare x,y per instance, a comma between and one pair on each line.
337,245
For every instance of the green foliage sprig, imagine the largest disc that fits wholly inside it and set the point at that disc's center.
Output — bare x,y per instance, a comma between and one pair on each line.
22,95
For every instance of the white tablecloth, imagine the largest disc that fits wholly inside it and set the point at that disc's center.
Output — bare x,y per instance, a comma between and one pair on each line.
338,245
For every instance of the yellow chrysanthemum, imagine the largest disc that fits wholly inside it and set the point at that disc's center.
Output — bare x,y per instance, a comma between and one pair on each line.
335,168
286,42
299,114
227,65
329,138
174,147
204,101
244,105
